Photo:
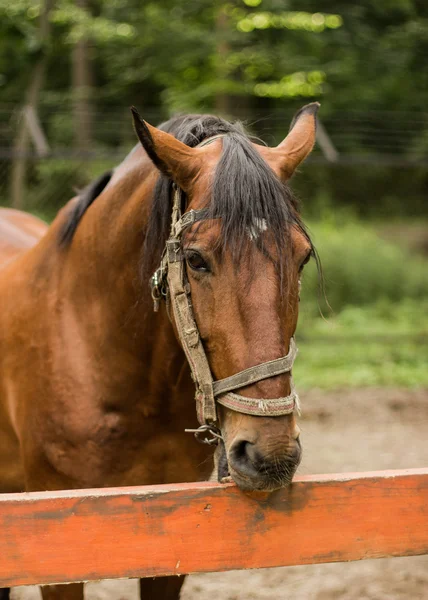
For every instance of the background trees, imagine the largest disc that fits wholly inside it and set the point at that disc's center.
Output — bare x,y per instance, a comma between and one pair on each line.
258,60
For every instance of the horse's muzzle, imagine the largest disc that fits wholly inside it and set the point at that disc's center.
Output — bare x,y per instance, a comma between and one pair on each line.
252,470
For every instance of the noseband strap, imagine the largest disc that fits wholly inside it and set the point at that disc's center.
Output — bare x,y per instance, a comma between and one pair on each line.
169,282
263,407
258,373
272,407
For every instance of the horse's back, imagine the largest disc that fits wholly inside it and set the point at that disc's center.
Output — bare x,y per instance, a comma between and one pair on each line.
19,231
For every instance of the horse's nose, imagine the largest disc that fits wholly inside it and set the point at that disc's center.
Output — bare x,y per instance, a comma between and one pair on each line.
244,458
252,468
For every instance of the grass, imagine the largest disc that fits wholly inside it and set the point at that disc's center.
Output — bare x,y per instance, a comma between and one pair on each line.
385,344
360,268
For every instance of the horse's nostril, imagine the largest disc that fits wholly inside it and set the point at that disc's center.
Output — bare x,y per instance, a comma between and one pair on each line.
244,455
248,463
252,454
239,449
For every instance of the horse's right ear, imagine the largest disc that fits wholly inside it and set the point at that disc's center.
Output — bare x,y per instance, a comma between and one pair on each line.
300,140
169,155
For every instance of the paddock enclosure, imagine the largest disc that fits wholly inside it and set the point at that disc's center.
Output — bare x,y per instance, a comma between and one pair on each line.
206,527
188,528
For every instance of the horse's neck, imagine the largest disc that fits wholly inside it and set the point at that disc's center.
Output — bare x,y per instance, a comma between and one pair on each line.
102,286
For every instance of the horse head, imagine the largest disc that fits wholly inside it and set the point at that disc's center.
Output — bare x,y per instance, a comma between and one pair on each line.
241,258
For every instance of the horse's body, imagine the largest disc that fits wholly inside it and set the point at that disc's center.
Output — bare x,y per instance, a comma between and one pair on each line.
18,232
94,387
62,345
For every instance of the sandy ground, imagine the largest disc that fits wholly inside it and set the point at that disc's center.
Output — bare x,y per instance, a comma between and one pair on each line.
360,430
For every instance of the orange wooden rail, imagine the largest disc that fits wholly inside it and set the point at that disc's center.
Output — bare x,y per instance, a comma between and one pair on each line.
186,528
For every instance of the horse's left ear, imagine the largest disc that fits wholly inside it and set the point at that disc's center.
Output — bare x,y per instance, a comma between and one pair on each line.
169,155
299,142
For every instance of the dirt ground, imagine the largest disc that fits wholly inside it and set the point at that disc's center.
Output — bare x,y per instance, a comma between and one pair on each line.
359,430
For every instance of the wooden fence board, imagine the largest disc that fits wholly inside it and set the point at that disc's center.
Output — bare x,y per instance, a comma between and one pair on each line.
53,537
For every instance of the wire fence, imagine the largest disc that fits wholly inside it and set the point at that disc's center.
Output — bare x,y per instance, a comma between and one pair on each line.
368,138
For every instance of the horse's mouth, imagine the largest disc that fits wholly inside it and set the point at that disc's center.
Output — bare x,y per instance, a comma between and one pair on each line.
267,480
264,483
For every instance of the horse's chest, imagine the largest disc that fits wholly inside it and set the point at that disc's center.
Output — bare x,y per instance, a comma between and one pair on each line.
124,450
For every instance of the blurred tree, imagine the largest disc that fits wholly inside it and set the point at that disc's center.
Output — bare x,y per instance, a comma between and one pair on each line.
81,83
223,100
185,55
242,57
33,89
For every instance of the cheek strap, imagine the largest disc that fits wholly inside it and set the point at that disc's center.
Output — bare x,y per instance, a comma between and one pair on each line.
169,282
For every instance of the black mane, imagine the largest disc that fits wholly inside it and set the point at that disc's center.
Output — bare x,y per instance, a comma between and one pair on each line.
86,197
245,193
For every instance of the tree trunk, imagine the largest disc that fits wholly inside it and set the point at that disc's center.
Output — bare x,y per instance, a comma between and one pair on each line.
223,101
21,144
82,91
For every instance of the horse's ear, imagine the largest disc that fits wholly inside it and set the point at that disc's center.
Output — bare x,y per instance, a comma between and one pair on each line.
300,141
169,155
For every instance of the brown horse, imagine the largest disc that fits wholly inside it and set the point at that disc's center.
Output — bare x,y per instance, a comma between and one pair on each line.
95,388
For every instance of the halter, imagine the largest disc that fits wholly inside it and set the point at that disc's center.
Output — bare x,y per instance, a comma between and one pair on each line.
169,282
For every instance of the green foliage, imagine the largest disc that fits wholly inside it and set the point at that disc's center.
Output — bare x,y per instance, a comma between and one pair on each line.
81,23
54,182
379,345
370,190
254,59
360,268
182,55
296,84
376,333
180,51
316,22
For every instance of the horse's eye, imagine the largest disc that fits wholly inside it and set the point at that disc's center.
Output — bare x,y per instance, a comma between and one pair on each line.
196,262
305,262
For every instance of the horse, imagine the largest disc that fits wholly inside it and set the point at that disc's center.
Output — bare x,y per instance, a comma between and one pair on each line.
18,232
98,368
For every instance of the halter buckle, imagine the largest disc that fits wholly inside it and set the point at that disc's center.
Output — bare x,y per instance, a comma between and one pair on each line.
157,282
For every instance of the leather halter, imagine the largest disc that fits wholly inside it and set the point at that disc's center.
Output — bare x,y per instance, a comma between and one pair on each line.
169,282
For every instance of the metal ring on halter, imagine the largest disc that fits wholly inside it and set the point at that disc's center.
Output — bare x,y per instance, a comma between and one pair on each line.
156,297
204,429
